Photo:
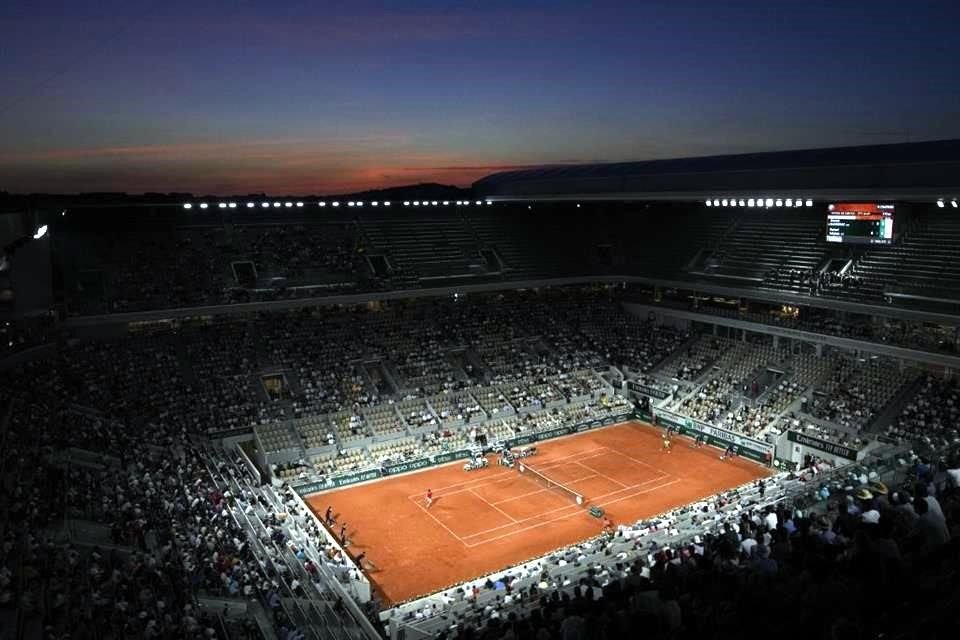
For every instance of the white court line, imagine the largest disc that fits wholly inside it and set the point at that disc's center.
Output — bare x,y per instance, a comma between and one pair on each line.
482,480
646,464
569,506
532,493
603,475
634,495
540,524
493,505
486,479
437,520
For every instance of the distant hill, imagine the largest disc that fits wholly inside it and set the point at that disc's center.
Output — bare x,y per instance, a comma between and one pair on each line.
424,191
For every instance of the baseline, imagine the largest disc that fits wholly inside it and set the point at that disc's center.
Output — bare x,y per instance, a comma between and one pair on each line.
486,479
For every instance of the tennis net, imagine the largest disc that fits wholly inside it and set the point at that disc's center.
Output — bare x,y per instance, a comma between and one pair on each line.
550,484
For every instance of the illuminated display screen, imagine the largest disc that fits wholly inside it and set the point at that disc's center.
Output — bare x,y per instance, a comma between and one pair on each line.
860,223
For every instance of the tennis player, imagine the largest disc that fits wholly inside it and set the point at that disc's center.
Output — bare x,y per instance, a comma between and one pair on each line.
429,497
666,444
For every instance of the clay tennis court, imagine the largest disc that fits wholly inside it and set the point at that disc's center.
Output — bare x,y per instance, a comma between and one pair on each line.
485,520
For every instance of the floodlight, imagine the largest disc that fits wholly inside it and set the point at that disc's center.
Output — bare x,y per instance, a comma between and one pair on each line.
809,203
742,203
41,231
435,203
203,205
386,203
406,203
288,204
724,202
716,202
322,204
336,203
709,203
939,203
222,205
375,204
299,204
187,205
789,202
751,202
779,202
477,203
359,203
953,203
250,205
276,204
416,203
232,205
489,202
768,202
446,202
351,203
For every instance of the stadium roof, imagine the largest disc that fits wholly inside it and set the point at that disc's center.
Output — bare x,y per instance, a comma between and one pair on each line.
917,171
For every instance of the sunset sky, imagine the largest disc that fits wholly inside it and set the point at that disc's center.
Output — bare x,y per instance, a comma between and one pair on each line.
301,97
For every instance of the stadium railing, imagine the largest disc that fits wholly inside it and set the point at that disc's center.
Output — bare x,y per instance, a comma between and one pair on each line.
309,607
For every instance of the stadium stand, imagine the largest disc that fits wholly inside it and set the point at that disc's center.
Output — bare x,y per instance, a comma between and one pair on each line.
922,264
146,392
220,262
763,246
153,466
130,534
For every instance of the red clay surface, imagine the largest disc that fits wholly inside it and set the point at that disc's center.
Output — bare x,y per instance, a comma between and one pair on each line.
485,520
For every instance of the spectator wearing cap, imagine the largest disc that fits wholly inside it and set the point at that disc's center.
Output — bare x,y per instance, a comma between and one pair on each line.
864,500
880,495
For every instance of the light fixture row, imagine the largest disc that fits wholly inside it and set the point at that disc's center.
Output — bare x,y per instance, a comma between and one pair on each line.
337,203
953,203
765,203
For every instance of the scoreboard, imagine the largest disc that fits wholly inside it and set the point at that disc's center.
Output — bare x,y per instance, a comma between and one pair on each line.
860,223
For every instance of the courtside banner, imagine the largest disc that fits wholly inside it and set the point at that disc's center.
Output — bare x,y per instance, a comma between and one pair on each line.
339,481
403,467
755,449
553,433
442,458
822,445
